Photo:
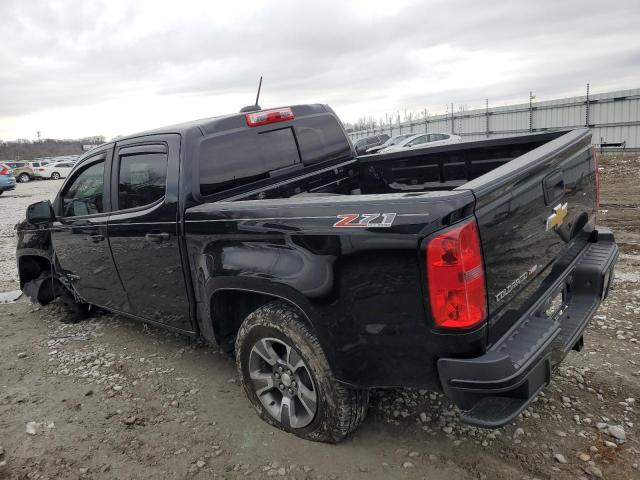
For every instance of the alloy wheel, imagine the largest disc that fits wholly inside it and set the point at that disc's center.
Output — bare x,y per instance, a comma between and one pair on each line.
283,383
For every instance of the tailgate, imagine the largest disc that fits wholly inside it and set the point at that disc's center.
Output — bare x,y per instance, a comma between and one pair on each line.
530,212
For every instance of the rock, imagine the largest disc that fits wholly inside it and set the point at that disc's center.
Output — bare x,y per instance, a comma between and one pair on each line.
363,469
593,470
306,468
560,433
423,417
617,432
88,393
402,452
408,465
282,471
130,420
519,432
447,430
414,454
200,463
22,354
32,428
1,451
584,457
560,458
83,470
180,451
609,444
601,425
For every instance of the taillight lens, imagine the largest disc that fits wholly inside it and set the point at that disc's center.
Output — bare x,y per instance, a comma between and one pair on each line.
456,280
264,117
4,170
596,165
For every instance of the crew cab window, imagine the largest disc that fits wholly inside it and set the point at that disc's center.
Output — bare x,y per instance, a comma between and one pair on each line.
245,156
321,139
84,196
142,179
241,157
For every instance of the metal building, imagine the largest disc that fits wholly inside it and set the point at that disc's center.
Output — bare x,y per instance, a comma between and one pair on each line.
614,118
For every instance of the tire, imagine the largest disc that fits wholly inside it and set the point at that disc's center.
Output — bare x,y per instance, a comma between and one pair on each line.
24,178
55,176
270,329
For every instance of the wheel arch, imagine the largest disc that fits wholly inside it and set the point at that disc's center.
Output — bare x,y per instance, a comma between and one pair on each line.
31,267
228,305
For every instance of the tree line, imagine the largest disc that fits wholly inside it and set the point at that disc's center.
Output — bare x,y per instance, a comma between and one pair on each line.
48,147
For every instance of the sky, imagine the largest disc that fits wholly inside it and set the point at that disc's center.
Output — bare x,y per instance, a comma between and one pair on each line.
71,69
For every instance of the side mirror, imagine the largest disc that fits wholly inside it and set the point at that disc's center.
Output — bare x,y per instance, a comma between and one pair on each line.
40,212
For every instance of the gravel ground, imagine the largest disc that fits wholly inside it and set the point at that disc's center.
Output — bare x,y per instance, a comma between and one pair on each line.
112,398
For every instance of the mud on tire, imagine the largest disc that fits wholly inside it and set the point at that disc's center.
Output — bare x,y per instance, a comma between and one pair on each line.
339,410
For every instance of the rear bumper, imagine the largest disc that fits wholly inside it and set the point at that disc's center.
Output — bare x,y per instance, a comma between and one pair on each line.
494,388
7,184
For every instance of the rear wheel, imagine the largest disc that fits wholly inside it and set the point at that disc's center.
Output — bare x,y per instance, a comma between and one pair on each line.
55,176
287,378
24,178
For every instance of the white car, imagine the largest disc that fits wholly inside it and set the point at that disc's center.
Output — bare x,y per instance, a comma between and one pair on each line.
56,170
423,140
392,141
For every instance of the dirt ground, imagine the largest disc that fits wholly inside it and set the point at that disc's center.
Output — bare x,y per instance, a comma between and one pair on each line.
112,398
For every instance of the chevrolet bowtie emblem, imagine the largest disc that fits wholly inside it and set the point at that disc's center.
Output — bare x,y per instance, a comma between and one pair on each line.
558,216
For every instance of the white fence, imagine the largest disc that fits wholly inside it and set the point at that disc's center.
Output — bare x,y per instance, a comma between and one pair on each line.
614,117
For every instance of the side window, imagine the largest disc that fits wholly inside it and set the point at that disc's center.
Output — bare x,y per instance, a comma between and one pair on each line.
84,196
418,140
141,179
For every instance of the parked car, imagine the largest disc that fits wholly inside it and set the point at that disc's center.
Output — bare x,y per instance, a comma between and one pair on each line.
7,180
38,169
363,144
22,171
423,140
392,141
472,269
57,170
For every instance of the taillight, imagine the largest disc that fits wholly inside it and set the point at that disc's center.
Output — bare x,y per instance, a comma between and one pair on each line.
4,170
594,153
264,117
455,276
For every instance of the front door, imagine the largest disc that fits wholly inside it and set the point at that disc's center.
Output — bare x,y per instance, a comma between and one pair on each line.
79,234
143,229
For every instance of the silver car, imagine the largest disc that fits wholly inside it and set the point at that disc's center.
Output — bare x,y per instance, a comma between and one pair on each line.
423,140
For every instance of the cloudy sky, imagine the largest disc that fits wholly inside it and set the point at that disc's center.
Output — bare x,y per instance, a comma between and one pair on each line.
111,67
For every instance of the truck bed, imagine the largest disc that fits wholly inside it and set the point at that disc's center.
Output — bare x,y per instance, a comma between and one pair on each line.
421,170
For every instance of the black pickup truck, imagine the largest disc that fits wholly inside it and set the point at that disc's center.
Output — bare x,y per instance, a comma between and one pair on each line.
470,268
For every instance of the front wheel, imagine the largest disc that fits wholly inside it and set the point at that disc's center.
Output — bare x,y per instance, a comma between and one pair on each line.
24,178
287,378
55,176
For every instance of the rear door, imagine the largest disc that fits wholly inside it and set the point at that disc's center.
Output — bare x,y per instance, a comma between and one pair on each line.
529,211
143,229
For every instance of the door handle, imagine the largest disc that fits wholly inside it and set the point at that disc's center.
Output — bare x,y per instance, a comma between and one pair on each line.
157,237
96,237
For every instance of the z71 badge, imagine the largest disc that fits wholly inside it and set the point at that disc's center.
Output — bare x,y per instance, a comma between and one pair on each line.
365,220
